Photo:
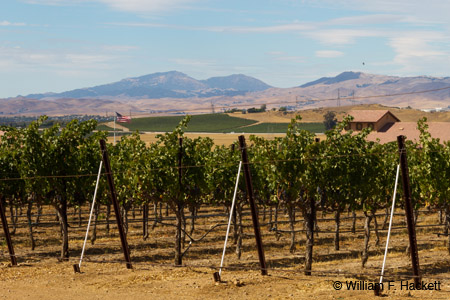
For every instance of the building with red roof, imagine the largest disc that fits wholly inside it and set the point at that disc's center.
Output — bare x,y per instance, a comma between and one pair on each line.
386,126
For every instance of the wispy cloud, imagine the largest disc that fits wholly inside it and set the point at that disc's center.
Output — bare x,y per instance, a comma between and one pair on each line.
7,23
341,36
329,53
17,58
416,48
136,6
423,11
291,27
119,48
368,19
56,2
146,5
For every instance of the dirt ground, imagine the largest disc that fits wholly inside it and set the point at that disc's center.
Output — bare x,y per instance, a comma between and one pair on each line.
104,275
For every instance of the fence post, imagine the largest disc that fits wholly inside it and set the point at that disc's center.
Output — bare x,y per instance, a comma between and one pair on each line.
408,210
7,235
123,238
254,209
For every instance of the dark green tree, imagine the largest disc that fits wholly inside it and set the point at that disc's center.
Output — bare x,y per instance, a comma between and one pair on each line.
329,120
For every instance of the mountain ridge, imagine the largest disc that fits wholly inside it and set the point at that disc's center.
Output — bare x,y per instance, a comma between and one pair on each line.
171,84
176,92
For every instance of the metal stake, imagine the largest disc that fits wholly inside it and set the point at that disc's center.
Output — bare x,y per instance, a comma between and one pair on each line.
218,274
123,238
77,267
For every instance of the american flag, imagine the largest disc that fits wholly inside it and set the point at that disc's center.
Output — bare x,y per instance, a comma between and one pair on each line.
122,119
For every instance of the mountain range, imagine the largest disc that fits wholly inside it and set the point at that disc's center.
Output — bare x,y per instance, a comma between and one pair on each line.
171,84
177,92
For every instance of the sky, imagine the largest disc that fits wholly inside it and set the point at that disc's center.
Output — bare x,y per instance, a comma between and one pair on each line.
59,45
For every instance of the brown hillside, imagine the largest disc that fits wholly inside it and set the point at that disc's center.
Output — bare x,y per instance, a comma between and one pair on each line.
316,115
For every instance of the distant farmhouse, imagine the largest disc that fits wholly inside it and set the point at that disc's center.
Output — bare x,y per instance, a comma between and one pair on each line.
386,126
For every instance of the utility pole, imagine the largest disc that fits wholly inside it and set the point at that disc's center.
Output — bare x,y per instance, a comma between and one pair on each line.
339,98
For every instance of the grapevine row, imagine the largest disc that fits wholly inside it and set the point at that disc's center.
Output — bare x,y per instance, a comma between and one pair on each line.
297,172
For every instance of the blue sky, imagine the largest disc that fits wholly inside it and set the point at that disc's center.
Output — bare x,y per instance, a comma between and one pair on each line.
58,45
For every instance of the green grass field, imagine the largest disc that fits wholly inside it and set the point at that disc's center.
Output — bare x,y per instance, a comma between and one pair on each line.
282,128
198,123
213,123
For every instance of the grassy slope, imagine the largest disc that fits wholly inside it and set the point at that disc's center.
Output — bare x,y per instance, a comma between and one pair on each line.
217,123
198,123
281,127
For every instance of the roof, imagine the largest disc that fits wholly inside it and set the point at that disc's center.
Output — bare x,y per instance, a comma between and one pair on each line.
390,132
369,115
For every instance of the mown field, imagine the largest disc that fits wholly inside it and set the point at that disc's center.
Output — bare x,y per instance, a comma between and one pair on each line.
282,127
198,123
212,123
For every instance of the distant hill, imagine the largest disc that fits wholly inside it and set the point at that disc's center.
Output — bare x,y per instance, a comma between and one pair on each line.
177,93
238,82
331,80
358,87
171,84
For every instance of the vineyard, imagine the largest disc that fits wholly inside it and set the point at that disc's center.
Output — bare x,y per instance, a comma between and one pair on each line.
323,209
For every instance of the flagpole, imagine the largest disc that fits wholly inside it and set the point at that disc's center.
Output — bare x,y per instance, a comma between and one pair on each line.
114,130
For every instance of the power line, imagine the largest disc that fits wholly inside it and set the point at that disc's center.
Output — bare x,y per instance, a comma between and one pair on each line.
297,101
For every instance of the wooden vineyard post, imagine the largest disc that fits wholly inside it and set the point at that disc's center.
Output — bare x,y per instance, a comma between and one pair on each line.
311,217
7,235
145,221
123,238
408,210
179,205
254,209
